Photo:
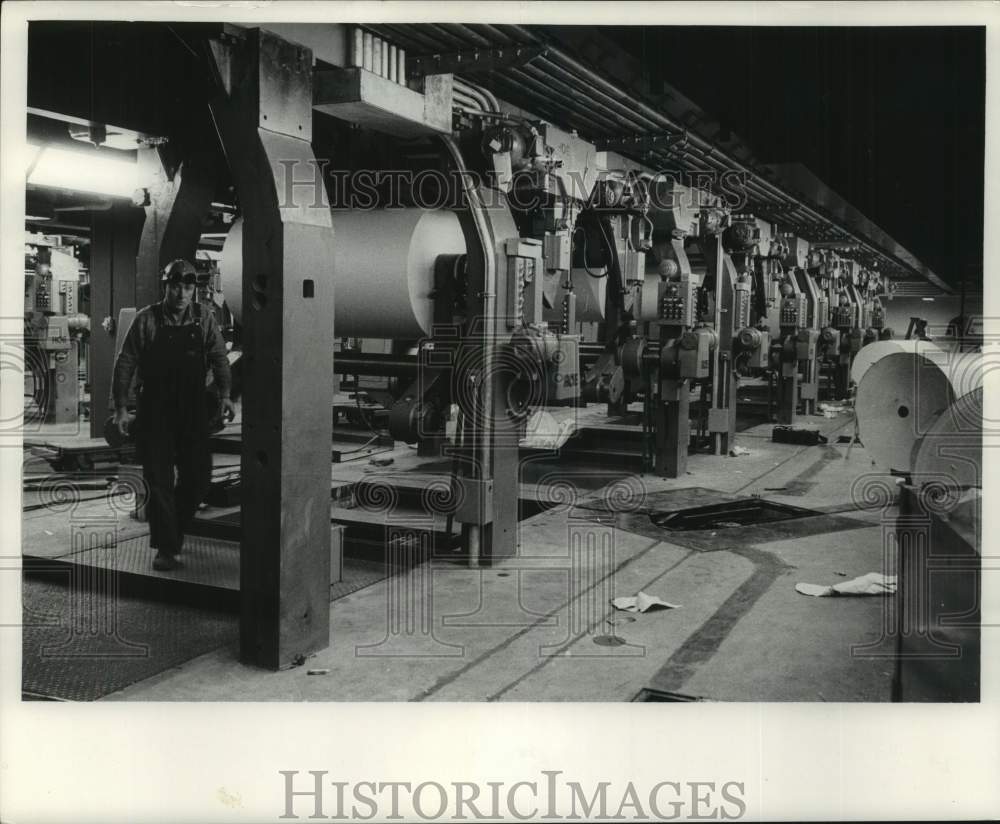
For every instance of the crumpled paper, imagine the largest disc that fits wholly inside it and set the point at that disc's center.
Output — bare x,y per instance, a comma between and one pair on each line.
545,432
832,410
874,583
641,602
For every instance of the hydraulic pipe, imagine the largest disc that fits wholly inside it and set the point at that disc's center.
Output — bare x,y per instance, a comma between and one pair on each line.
611,113
539,92
375,365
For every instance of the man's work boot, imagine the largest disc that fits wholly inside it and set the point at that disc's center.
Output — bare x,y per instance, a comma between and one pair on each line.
164,561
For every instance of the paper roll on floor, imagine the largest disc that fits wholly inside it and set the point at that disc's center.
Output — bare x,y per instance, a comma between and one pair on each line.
952,449
874,351
902,394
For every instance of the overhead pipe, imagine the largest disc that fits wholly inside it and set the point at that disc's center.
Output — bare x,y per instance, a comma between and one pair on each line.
629,115
463,101
666,123
458,31
412,36
468,91
495,33
563,65
538,92
488,96
536,99
609,113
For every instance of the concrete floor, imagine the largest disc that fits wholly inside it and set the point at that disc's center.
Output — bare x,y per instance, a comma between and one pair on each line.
539,627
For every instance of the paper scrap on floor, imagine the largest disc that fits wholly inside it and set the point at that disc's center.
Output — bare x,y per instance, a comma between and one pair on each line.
641,602
544,431
832,410
874,583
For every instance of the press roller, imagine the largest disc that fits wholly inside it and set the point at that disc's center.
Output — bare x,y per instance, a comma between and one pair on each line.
382,270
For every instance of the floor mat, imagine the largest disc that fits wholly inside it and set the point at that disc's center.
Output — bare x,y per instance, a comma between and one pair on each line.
80,645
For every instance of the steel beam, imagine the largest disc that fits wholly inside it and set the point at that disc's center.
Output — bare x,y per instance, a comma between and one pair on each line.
263,113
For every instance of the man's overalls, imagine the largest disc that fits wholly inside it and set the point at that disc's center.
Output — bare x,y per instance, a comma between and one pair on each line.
173,429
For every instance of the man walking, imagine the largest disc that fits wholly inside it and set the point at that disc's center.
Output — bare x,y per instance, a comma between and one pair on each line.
171,345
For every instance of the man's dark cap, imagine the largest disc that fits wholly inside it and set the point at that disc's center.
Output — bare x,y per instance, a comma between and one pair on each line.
180,271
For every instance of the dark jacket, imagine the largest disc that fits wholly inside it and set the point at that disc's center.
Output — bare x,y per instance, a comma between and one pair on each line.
140,335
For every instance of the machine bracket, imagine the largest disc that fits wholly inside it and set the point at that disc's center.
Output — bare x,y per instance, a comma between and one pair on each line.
475,60
642,142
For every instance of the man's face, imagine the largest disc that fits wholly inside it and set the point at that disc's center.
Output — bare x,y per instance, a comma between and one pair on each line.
179,295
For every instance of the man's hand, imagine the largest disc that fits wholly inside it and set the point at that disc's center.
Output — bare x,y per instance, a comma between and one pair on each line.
122,420
227,408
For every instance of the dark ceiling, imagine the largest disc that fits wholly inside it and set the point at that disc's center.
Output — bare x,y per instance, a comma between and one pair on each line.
890,118
893,119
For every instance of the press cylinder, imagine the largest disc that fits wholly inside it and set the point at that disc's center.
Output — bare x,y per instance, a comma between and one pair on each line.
382,269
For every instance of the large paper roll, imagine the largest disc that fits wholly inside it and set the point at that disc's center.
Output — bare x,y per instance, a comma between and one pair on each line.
382,270
902,394
231,268
874,351
952,450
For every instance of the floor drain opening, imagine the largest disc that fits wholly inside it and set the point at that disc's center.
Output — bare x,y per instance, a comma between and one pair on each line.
729,515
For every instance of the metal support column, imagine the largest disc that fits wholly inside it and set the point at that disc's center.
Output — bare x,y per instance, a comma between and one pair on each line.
809,385
177,202
788,383
673,428
263,113
490,441
114,239
722,413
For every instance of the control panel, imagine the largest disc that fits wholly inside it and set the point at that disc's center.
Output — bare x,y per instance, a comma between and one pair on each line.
676,303
794,310
741,304
524,286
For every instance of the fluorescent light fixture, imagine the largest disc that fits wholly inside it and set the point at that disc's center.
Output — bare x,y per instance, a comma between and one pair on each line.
929,300
81,171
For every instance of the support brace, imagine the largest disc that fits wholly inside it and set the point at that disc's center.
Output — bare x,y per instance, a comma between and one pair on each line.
264,118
